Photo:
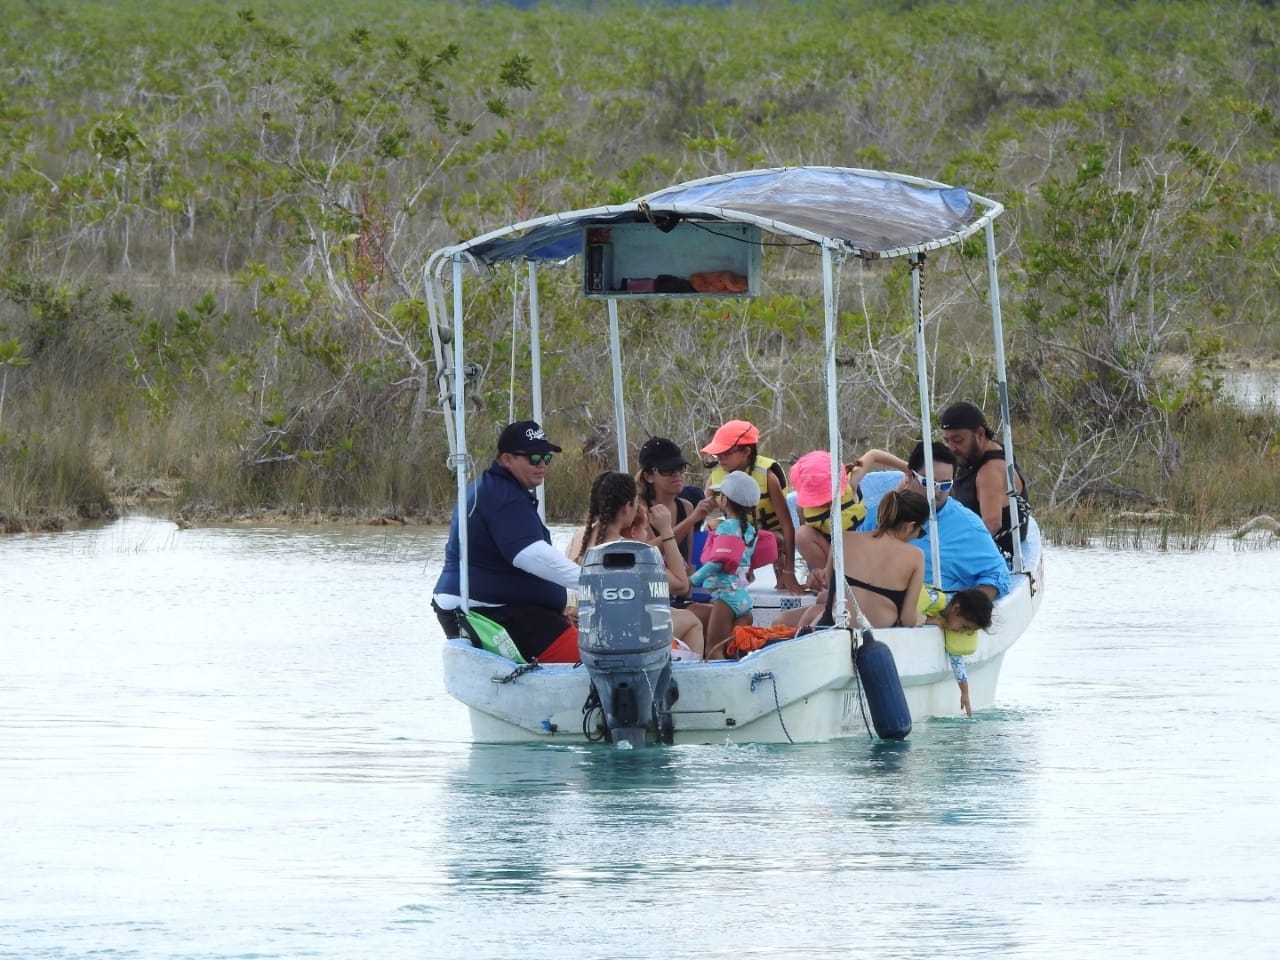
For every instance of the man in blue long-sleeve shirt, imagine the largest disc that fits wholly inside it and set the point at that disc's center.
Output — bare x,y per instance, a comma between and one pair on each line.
968,555
515,576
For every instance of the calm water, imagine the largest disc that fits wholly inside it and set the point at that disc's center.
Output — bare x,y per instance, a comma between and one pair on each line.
235,743
1254,389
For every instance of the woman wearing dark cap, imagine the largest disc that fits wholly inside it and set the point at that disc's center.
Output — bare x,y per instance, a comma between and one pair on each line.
616,512
661,481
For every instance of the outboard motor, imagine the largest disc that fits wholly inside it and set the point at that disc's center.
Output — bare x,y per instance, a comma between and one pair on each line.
624,640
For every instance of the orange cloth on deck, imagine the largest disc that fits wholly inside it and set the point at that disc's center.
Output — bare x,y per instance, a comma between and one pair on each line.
746,639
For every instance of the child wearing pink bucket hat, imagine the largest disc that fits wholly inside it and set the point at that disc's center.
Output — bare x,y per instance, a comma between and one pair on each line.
812,482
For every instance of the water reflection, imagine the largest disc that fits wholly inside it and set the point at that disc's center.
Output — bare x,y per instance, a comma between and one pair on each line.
701,818
1254,389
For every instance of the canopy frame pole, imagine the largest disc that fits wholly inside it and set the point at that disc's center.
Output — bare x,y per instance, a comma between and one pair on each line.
440,335
461,460
1002,388
926,421
535,361
830,310
615,360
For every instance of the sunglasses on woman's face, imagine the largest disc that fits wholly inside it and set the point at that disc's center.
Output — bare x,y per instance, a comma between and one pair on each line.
537,459
673,472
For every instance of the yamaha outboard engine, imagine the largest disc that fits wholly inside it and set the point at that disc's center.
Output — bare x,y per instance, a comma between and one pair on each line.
624,640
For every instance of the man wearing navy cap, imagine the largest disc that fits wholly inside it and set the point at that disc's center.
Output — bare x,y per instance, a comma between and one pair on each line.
515,576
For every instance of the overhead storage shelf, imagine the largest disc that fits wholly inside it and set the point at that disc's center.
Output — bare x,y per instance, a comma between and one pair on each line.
695,258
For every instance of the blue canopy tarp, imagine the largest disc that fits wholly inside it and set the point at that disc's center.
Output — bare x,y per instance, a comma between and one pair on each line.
867,213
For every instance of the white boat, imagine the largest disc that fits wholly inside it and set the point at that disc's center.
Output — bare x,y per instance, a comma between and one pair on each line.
806,689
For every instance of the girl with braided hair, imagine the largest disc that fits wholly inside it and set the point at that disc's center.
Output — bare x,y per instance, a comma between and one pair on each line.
611,511
616,512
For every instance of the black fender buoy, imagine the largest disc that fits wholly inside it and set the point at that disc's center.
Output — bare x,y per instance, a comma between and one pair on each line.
890,714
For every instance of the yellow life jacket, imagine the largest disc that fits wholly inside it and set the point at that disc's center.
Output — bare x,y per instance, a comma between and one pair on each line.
852,512
932,603
766,518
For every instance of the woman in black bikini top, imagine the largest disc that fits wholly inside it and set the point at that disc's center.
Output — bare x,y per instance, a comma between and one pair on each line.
887,554
893,596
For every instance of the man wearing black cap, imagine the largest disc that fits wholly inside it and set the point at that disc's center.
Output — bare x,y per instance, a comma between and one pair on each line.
515,576
982,481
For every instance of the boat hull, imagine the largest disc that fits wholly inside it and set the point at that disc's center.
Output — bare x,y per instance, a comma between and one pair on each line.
803,690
